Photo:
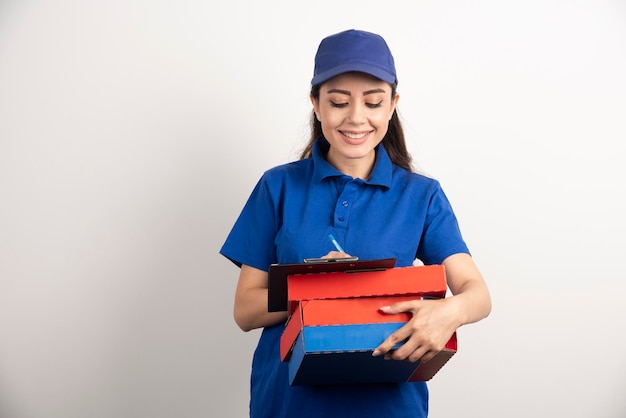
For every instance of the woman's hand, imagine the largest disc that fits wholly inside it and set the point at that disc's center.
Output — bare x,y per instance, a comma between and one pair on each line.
336,254
434,321
424,335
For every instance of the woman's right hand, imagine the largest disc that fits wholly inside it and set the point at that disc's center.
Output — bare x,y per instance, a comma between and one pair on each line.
336,254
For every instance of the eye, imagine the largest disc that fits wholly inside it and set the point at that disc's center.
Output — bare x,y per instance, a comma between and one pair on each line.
339,105
374,105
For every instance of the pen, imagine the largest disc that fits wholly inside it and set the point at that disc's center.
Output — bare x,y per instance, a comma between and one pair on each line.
336,244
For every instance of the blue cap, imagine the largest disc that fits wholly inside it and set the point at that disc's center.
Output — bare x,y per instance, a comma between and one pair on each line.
354,50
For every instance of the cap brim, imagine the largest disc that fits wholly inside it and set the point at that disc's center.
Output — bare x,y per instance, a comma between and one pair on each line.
354,66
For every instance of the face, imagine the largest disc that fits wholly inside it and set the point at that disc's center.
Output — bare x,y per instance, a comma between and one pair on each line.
354,110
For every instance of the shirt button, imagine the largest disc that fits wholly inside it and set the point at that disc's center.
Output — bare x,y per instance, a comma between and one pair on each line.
340,219
345,203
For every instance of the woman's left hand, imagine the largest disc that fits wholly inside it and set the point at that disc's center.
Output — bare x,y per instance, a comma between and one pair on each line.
424,335
434,321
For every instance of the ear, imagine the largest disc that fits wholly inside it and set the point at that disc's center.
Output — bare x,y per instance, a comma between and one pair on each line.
394,104
316,106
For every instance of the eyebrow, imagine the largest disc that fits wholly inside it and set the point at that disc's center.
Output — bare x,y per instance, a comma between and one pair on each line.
365,93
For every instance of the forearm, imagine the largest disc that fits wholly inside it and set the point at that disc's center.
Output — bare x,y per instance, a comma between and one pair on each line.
471,303
251,310
470,300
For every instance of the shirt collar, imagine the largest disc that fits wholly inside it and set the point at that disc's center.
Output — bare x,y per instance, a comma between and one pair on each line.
380,176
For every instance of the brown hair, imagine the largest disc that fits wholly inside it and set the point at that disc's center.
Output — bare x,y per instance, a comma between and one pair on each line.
394,141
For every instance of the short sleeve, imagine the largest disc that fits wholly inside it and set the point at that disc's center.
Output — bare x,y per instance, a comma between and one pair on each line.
252,238
441,237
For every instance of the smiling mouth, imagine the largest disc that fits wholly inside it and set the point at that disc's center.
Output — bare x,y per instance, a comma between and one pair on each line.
352,135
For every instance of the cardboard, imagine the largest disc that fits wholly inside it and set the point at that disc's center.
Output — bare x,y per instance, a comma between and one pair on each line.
352,311
335,324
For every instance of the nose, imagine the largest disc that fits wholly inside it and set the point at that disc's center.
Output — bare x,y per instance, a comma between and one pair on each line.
357,114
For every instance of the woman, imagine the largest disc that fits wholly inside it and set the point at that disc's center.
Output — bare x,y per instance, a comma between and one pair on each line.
353,181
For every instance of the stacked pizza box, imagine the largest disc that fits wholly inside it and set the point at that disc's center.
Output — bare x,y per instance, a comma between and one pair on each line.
335,323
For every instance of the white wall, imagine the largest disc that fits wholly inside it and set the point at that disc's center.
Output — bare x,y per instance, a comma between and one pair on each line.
132,132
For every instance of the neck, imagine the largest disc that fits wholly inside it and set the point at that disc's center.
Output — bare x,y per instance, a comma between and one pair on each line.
353,167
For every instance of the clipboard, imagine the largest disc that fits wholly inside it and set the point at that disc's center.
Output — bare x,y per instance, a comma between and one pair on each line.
278,273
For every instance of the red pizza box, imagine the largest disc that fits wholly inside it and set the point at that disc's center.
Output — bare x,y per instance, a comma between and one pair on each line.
414,281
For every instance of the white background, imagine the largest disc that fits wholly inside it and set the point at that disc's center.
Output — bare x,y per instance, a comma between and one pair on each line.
132,132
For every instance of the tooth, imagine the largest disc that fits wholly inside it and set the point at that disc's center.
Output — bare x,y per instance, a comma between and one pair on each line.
354,136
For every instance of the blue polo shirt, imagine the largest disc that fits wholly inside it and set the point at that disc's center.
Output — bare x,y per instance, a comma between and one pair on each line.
289,216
